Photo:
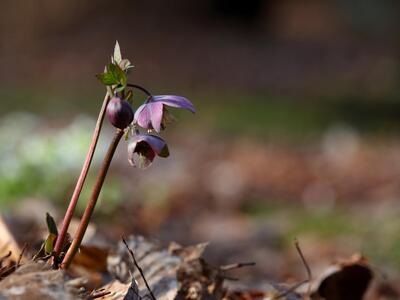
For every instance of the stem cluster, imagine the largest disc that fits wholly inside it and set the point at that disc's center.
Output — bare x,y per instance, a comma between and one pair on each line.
82,177
60,242
92,201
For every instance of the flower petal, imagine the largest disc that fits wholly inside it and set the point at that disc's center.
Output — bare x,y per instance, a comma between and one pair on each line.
175,101
149,115
156,114
140,154
155,142
142,116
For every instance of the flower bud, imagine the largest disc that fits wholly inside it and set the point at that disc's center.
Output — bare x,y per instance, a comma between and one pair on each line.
119,113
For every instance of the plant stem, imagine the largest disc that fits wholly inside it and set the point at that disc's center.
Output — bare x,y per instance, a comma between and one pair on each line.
92,201
81,180
136,86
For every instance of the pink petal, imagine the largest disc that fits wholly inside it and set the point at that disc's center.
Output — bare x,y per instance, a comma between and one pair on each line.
143,117
156,113
175,101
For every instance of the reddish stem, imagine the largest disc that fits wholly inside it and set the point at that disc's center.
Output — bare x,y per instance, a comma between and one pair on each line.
139,87
92,201
81,180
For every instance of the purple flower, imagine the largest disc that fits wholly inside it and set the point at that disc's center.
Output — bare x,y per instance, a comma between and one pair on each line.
143,148
153,115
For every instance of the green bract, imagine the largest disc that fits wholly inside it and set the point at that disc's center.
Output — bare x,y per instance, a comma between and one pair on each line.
113,76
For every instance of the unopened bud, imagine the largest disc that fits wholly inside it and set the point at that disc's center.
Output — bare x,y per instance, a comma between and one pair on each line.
119,113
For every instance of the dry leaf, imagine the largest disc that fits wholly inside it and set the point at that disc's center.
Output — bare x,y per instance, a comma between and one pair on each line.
345,280
8,243
36,280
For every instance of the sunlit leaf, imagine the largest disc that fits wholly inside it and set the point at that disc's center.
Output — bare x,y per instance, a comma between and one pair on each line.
107,78
49,243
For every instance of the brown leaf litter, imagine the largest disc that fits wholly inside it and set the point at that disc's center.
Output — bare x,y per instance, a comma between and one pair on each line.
179,273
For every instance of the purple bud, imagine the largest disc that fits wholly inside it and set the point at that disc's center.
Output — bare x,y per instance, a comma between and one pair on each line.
119,113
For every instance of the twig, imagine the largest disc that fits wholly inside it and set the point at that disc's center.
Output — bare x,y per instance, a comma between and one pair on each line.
292,289
224,277
223,269
5,271
21,254
308,269
236,266
139,269
46,257
309,275
5,256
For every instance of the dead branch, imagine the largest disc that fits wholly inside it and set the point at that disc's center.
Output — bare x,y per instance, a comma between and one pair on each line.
290,290
21,255
139,269
236,266
308,269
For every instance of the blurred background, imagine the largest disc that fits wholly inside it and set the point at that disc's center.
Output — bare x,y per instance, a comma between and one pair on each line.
296,132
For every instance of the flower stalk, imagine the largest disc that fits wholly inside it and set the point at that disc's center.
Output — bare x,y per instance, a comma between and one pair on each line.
92,201
82,177
139,87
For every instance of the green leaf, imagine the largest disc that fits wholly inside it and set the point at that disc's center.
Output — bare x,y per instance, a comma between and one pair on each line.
119,88
121,75
113,76
51,224
107,78
117,73
49,243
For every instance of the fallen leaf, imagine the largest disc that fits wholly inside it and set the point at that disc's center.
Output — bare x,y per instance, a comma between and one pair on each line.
8,243
345,280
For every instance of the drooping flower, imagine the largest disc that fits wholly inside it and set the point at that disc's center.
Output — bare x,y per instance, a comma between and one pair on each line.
153,114
119,113
143,148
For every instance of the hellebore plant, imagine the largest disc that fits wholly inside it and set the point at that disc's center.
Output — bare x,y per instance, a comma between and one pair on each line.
143,147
